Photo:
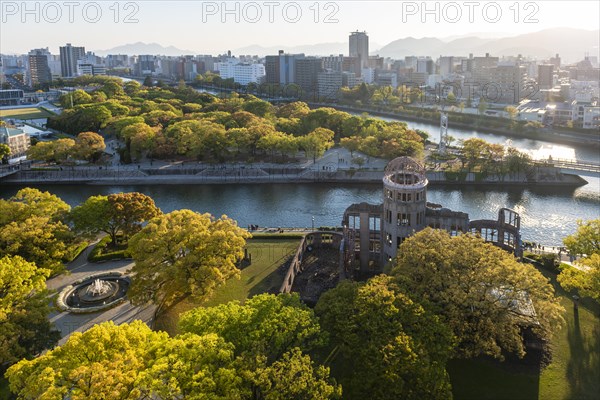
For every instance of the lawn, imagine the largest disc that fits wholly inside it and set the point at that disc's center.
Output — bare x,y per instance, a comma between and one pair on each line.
25,113
574,372
262,275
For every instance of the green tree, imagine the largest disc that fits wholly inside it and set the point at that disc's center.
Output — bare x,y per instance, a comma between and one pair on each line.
113,214
258,107
391,348
191,366
102,363
184,253
89,146
482,107
512,112
29,202
55,151
317,142
31,226
269,334
479,290
474,149
24,326
351,143
586,240
266,325
585,278
148,81
4,153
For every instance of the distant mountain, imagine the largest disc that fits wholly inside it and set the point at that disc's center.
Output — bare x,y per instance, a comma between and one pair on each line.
145,48
319,49
570,43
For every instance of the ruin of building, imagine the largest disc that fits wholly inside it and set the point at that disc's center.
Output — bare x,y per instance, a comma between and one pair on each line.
373,233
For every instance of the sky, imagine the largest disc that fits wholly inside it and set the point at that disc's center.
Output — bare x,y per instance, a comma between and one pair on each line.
212,27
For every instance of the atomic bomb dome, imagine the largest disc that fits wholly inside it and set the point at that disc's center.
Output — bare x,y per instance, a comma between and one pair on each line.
373,233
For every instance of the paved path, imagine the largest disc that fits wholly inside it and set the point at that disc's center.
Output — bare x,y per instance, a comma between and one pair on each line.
68,323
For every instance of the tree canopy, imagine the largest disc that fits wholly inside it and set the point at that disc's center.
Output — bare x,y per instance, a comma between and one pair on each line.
480,291
131,361
389,345
31,226
184,253
265,325
113,214
24,326
586,240
585,277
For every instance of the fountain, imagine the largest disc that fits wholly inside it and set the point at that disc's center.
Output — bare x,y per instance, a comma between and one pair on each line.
94,293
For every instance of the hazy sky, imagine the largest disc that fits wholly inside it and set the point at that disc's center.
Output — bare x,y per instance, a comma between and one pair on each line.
211,27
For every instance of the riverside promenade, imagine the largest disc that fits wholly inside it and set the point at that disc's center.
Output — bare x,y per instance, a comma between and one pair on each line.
336,165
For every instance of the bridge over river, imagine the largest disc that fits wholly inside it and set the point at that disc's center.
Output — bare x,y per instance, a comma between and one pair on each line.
576,167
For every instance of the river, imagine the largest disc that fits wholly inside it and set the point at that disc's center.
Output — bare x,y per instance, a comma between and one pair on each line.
548,214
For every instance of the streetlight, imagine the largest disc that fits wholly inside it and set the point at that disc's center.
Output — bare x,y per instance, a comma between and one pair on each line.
313,223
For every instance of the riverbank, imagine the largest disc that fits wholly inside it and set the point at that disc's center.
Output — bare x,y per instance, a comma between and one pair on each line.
550,135
547,134
541,177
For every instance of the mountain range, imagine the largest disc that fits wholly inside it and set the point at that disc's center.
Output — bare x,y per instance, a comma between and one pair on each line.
145,48
572,45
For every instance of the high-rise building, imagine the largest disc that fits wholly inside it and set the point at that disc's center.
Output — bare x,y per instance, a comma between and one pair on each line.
446,66
307,71
509,81
425,65
146,65
334,63
546,76
281,68
329,85
359,47
68,59
39,70
555,61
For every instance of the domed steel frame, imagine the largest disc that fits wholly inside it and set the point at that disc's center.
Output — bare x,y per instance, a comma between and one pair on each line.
405,172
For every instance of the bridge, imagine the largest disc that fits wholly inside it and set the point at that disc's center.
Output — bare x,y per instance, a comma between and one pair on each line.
577,167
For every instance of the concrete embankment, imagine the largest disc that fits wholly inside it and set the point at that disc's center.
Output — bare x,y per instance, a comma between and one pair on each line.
539,177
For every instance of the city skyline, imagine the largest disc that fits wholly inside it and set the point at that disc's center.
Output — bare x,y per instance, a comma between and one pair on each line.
100,25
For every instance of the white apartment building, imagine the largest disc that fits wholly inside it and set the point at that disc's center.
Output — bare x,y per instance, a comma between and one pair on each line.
241,72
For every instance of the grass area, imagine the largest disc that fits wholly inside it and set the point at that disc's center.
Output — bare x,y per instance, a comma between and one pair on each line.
574,372
103,252
262,275
25,113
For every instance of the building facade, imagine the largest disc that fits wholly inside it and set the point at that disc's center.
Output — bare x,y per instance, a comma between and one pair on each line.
17,140
359,47
241,72
39,70
68,59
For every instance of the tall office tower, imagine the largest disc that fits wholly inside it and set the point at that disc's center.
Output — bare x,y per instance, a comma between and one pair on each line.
359,47
39,70
446,66
306,74
546,76
281,68
555,61
68,59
